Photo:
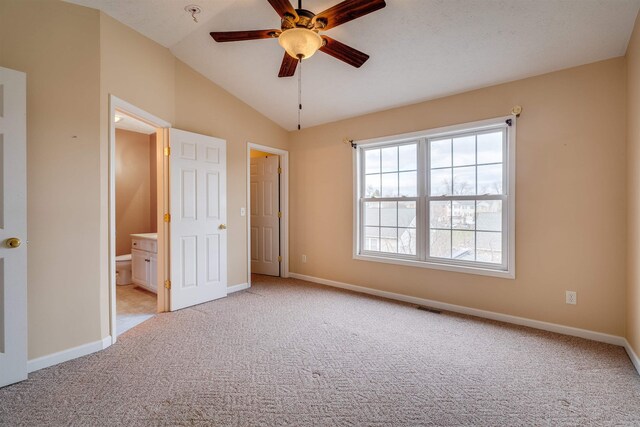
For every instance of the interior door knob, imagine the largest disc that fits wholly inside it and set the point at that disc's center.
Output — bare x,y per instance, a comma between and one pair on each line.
13,242
222,227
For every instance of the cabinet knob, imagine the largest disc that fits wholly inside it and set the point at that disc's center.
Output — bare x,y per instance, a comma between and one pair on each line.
222,227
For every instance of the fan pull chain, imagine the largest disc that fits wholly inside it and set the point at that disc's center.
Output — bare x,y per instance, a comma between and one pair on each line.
299,91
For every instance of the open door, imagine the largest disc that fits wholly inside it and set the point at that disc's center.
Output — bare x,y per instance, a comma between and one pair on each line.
13,226
198,208
265,216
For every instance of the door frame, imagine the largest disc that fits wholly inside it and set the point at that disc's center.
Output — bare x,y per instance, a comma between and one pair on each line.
284,204
117,104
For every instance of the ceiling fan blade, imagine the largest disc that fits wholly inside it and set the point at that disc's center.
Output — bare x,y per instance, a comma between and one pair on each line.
347,11
343,52
236,36
283,7
288,67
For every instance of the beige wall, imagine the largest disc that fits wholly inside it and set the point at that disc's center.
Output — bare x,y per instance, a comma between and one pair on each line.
135,154
153,177
147,75
57,45
207,109
571,175
633,190
74,58
571,153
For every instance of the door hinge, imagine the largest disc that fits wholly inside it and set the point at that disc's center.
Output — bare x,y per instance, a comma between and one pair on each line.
167,217
279,258
167,151
279,171
167,284
279,214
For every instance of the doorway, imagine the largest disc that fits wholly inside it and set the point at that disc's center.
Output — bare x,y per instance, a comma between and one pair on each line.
267,224
136,221
136,202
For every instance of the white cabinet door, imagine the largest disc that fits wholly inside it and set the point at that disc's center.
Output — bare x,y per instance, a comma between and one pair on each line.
198,207
265,222
13,225
153,272
139,267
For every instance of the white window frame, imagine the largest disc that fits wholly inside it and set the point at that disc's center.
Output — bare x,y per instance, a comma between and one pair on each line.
507,269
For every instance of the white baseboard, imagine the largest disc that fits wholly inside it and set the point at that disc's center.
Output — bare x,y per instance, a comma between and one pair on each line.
536,324
66,355
632,355
237,288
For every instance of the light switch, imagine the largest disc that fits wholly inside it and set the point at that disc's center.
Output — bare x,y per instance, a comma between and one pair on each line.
243,211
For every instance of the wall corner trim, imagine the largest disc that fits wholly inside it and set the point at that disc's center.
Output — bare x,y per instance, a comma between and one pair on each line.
237,288
632,355
522,321
69,354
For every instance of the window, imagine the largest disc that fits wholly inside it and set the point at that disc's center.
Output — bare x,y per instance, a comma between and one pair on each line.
439,199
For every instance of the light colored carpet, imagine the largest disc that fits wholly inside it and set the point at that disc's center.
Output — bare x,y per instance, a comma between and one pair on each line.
134,305
290,353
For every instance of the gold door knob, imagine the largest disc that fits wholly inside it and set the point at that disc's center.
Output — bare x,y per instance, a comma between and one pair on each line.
222,227
13,242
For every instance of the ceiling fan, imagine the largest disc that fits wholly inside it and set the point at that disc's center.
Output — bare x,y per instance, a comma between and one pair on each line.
299,32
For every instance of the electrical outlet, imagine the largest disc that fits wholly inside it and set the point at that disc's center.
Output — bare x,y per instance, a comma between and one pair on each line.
304,258
572,297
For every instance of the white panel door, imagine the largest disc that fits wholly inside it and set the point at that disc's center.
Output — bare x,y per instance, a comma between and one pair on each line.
265,224
13,226
198,207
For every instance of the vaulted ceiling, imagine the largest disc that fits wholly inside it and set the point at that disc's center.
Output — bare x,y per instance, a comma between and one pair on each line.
420,49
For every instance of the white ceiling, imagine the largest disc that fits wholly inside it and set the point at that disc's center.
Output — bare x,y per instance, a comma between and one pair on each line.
420,49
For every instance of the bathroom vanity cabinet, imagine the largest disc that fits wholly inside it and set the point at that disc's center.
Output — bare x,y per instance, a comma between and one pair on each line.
144,261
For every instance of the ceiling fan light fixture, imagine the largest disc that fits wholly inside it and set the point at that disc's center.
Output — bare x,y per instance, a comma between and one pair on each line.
300,42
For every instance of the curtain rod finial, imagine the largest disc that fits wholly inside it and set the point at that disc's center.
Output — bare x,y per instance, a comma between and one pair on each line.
516,111
349,141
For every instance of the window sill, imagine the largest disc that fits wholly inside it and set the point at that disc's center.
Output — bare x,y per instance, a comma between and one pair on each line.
509,274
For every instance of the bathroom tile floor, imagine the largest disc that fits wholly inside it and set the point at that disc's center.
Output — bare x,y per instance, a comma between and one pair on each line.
134,305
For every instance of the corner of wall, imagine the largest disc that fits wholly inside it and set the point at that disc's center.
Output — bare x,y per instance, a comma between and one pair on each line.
633,188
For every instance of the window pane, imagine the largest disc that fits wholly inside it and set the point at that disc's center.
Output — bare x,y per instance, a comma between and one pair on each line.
463,215
372,161
389,240
489,215
440,214
408,156
407,241
490,147
440,153
440,243
390,159
408,184
489,247
389,214
464,245
371,239
372,186
390,185
464,180
372,213
440,182
407,214
490,179
464,151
